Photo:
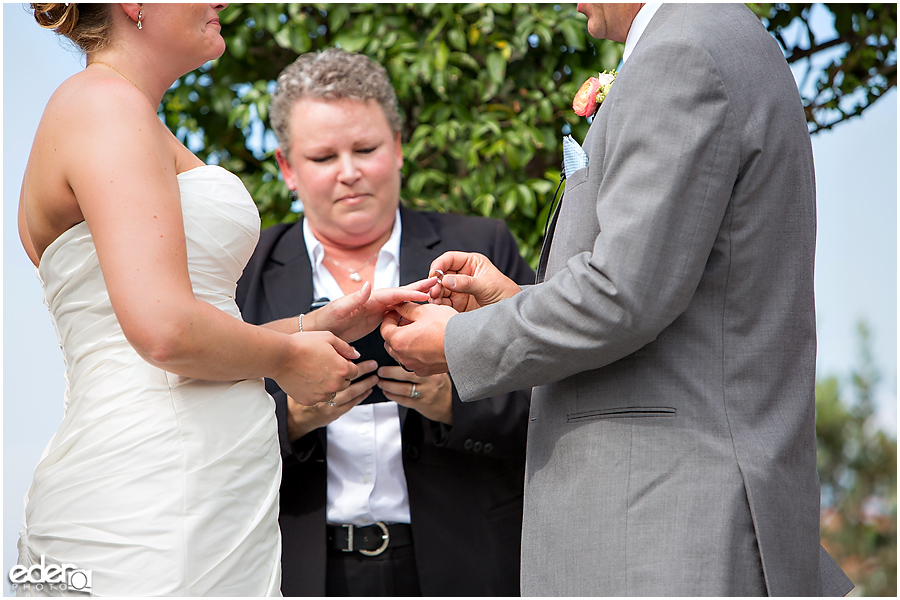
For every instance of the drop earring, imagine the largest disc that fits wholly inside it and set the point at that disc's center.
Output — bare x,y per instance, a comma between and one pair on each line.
140,16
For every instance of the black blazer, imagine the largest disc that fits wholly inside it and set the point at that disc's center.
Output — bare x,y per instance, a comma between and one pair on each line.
465,482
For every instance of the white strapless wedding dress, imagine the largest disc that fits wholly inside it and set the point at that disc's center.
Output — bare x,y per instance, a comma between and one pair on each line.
155,483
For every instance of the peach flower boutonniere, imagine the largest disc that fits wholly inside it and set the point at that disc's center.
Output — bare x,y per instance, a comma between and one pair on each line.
592,93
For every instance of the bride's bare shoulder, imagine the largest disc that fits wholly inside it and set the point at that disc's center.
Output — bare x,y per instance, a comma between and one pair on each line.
96,100
94,116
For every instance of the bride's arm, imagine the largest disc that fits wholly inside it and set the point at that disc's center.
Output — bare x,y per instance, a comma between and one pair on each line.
120,162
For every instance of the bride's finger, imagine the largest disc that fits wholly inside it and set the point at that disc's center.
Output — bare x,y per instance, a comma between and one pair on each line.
415,292
351,397
400,374
422,285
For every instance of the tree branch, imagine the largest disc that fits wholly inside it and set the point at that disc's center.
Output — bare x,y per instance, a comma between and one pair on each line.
800,54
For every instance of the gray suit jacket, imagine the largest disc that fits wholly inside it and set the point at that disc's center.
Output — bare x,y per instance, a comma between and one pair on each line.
671,444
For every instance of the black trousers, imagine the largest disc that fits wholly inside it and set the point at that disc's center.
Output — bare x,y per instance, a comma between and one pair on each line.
392,573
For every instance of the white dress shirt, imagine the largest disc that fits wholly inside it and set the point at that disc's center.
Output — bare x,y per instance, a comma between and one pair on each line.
366,482
641,20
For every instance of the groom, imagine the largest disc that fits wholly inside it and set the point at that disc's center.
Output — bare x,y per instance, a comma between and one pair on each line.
671,443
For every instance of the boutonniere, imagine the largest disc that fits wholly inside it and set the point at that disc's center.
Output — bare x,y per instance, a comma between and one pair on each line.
592,93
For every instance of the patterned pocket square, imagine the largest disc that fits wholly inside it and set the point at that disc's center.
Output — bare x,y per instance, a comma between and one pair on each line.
574,157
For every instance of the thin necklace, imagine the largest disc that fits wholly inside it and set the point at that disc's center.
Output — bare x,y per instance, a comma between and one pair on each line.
354,273
99,62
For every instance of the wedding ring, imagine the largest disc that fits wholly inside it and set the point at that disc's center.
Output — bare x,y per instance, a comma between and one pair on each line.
439,274
331,401
414,393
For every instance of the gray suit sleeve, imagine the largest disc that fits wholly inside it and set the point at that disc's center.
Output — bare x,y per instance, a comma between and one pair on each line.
658,186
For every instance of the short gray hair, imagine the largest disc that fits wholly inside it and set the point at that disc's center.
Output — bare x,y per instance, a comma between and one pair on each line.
331,74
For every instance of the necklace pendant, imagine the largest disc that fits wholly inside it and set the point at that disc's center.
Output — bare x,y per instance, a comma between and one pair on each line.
355,277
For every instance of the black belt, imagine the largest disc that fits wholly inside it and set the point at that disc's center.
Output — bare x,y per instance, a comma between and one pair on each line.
370,540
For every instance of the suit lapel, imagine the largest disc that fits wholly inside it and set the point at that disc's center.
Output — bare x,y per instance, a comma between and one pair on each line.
287,283
545,247
418,247
554,217
654,24
418,243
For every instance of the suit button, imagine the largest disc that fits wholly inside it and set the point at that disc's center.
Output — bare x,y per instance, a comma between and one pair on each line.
413,452
476,447
488,448
468,444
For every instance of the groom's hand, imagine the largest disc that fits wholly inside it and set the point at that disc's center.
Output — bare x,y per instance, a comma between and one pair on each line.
414,335
468,281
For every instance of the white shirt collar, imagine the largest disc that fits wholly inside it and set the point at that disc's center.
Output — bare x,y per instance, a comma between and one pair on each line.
641,20
392,246
316,251
387,272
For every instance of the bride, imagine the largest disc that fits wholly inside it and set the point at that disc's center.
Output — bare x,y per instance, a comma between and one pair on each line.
163,476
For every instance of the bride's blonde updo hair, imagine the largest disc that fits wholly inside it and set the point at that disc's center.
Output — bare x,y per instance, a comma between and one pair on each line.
88,25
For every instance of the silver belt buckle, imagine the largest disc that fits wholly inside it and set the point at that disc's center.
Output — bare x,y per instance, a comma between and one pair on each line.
349,538
386,537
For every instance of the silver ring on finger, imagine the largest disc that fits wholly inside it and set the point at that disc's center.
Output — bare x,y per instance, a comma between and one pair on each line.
414,393
331,400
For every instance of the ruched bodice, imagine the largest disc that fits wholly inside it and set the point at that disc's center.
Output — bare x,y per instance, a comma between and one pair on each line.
159,484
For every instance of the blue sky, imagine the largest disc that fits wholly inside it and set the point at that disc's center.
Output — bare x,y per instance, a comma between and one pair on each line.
856,261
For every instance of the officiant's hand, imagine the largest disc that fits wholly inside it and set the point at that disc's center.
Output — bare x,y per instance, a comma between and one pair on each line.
431,397
359,313
414,335
469,281
303,419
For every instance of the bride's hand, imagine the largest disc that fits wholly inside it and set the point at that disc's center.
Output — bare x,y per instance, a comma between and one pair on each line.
302,419
359,313
318,367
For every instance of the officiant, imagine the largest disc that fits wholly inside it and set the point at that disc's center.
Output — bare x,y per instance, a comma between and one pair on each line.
404,490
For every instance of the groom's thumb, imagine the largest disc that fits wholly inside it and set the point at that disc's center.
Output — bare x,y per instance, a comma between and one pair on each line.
410,312
406,310
460,283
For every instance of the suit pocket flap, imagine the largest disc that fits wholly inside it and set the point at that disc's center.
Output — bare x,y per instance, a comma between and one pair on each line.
577,178
622,412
